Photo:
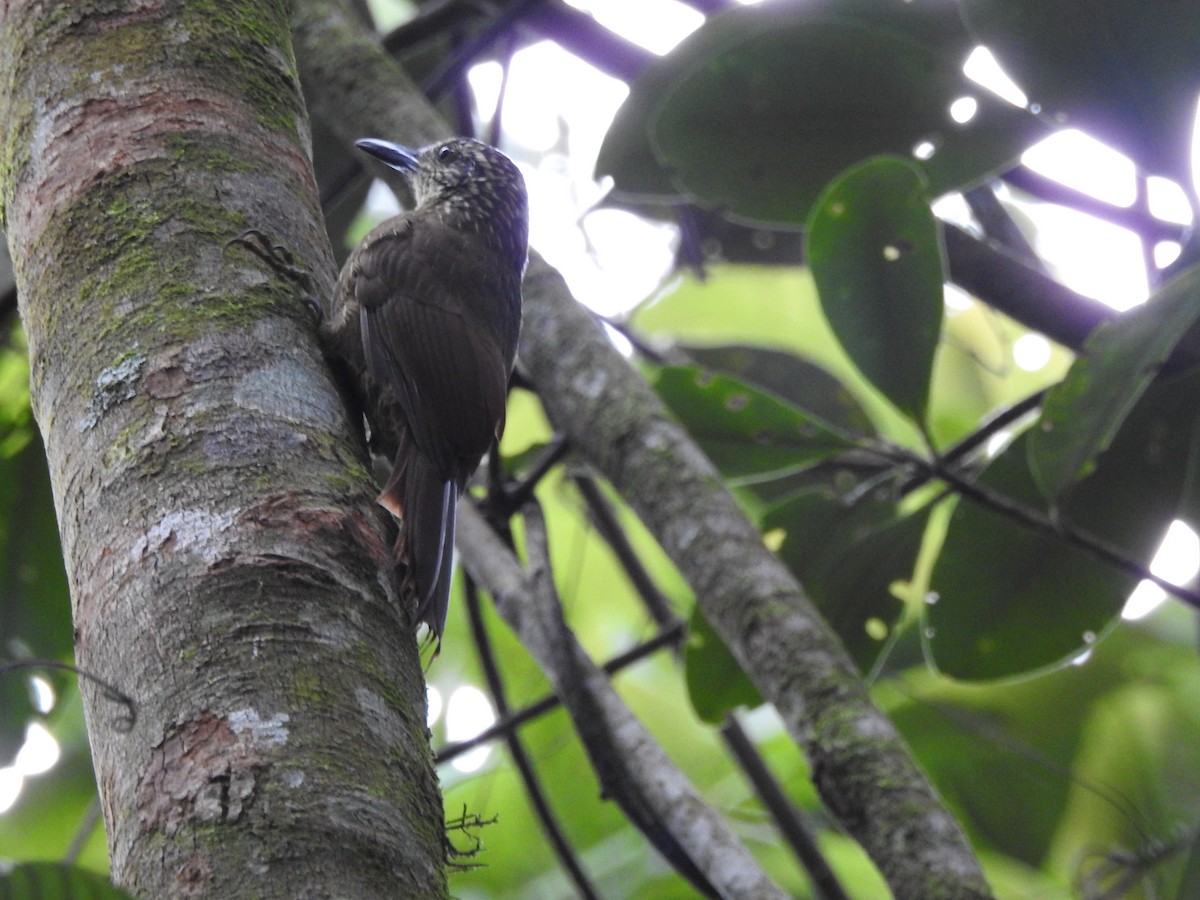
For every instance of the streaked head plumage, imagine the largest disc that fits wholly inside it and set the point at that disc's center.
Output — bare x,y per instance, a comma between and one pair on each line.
470,184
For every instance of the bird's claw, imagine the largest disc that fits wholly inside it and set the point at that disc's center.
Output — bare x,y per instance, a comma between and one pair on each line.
281,261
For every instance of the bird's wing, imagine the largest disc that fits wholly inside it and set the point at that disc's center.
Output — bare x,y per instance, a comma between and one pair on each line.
429,338
434,340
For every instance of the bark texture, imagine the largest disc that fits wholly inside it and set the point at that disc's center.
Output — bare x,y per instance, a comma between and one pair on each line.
860,764
226,561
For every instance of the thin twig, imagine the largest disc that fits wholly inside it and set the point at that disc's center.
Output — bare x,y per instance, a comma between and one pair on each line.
516,494
83,832
998,223
791,826
452,69
1038,521
631,766
1003,281
1135,218
671,637
610,529
497,123
114,695
431,21
956,453
533,785
639,343
579,33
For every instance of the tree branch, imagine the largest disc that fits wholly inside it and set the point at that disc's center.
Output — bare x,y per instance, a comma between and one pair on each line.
671,638
516,749
861,766
632,767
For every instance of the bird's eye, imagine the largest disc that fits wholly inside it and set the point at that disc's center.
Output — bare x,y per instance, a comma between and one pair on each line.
447,153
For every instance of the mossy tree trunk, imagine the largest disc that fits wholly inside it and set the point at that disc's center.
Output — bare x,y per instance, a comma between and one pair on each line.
224,553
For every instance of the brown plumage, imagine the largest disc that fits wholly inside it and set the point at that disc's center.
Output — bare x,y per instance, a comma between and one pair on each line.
426,316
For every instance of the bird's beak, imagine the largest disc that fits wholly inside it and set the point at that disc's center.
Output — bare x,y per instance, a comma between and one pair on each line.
402,159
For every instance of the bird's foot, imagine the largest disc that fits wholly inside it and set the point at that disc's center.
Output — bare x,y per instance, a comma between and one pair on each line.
283,263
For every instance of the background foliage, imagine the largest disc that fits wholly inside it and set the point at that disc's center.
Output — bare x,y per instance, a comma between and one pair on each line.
972,539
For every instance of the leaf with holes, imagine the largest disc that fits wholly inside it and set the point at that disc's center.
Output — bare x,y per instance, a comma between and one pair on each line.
791,378
876,255
847,552
745,432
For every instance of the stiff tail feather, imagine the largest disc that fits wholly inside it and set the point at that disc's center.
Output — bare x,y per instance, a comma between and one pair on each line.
428,505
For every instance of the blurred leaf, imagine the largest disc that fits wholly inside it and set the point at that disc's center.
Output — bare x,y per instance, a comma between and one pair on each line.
15,712
34,598
774,308
802,383
1061,783
1011,600
54,881
526,428
1083,412
1189,882
842,81
744,431
876,255
16,415
716,683
51,807
846,553
1124,70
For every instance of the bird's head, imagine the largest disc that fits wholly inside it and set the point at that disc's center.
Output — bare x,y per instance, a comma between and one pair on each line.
471,185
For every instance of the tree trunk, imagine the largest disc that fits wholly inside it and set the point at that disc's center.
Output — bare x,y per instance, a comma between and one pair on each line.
216,515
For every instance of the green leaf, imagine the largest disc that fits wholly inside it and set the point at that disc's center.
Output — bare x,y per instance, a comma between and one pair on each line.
1083,412
1011,600
1059,770
847,553
15,712
53,881
1123,70
802,383
716,683
34,599
744,431
761,106
876,255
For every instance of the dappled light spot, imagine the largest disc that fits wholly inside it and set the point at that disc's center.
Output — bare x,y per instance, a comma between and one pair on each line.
468,712
1031,352
963,109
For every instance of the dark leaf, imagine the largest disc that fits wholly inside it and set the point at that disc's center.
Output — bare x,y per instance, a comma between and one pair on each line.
52,881
1124,70
744,431
875,253
34,600
1083,412
763,105
1011,600
847,552
801,383
716,683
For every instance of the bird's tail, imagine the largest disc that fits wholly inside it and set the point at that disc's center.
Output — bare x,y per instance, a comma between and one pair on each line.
428,504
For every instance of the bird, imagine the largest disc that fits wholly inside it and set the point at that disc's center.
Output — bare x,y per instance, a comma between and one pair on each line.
426,317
